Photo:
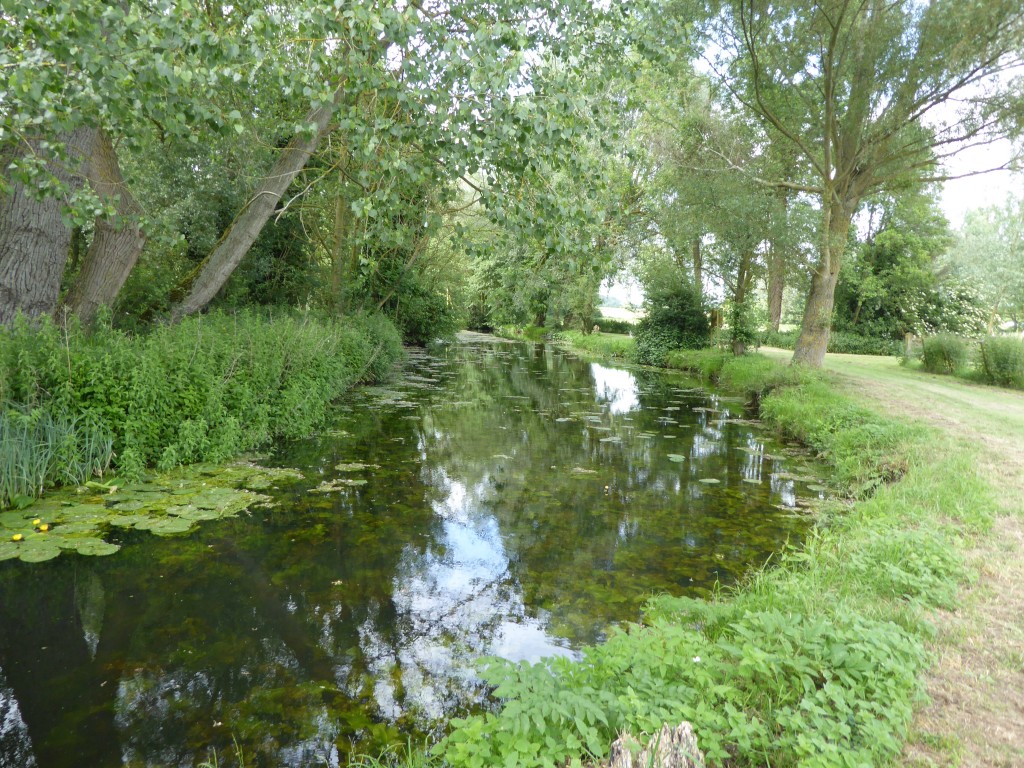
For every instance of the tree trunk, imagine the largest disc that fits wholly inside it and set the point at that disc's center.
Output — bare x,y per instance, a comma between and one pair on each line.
246,227
776,286
34,240
777,266
817,323
739,296
117,241
698,265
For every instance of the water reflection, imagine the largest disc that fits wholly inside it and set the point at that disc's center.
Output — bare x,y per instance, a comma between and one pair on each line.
497,500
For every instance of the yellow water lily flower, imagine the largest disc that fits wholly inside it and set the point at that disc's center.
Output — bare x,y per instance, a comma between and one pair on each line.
44,527
37,521
17,537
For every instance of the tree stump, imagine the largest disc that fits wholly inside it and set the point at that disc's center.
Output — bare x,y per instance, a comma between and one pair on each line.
671,748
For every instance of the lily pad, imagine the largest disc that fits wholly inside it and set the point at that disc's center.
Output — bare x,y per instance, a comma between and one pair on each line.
38,553
710,480
70,528
95,547
171,526
815,488
8,550
676,457
129,506
195,514
127,521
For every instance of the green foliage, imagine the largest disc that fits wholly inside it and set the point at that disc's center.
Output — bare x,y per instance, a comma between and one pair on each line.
838,341
205,389
944,353
757,685
1002,361
39,449
676,319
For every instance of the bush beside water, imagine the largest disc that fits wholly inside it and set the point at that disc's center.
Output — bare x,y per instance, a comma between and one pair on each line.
202,390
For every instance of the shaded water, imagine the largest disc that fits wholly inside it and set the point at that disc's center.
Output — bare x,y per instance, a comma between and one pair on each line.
499,499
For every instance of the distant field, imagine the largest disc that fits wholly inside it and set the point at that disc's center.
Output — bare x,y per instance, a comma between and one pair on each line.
620,313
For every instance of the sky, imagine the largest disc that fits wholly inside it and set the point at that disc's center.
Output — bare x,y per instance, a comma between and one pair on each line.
962,195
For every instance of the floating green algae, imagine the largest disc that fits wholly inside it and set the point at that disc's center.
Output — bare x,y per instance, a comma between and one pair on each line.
170,504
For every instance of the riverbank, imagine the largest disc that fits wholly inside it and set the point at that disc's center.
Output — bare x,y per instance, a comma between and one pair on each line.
821,660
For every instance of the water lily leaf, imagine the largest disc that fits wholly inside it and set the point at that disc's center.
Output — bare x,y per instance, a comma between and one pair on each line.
15,519
612,439
195,514
817,488
8,550
710,480
38,553
751,480
128,506
77,527
126,521
676,457
83,512
95,547
170,526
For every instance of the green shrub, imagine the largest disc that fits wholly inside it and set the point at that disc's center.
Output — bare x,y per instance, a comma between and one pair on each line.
676,319
202,390
1002,361
944,353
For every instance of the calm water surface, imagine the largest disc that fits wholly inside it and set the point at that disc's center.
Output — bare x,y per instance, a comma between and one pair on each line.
497,499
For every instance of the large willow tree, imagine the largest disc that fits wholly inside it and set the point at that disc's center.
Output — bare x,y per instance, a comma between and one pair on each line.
871,94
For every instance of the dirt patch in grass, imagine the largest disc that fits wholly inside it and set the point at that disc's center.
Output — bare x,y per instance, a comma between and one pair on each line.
975,718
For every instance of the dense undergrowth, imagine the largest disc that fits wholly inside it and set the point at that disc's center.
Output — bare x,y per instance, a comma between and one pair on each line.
201,390
816,661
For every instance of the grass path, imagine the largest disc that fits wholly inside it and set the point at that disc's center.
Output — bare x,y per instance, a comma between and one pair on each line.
976,714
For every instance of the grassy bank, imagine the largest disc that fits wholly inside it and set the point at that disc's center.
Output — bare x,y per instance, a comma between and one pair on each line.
202,390
817,661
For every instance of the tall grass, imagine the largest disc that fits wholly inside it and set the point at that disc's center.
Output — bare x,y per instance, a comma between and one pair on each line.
39,449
